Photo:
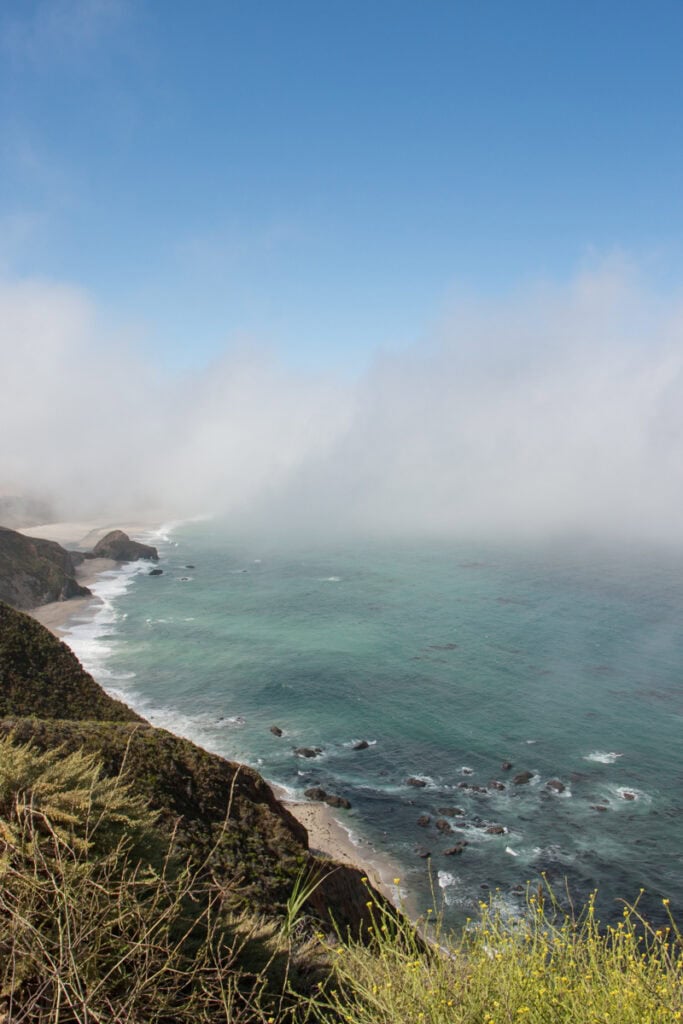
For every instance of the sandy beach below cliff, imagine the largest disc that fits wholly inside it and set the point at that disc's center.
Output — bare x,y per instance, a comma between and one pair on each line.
330,839
82,536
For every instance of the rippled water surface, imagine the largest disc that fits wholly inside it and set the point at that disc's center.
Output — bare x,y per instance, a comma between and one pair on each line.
449,660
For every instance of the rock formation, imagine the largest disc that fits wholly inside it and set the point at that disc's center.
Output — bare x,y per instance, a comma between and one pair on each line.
121,548
35,571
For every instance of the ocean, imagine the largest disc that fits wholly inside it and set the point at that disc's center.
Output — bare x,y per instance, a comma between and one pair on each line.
440,662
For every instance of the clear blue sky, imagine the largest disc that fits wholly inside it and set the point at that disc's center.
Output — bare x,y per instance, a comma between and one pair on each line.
322,176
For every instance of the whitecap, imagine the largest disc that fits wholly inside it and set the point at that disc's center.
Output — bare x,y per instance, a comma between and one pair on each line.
513,853
331,579
602,756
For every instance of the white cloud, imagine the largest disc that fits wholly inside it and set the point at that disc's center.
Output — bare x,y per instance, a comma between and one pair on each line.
558,410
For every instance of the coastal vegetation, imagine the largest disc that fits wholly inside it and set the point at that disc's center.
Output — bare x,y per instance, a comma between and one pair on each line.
145,879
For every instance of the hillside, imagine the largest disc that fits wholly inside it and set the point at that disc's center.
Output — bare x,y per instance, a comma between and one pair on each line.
35,571
225,816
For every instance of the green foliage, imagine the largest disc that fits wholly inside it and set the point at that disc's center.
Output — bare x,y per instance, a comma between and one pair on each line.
40,676
548,968
51,792
90,932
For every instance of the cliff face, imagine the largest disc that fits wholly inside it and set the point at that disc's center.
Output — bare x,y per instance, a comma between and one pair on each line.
224,816
34,571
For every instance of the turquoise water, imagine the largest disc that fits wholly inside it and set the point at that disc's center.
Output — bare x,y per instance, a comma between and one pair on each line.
449,659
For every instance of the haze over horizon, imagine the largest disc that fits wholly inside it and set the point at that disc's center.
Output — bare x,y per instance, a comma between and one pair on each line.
327,268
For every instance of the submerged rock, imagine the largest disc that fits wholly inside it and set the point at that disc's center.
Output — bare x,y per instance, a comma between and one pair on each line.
523,778
155,572
308,751
423,820
450,812
418,783
316,793
506,766
276,730
338,801
455,850
495,784
556,786
361,745
496,830
443,826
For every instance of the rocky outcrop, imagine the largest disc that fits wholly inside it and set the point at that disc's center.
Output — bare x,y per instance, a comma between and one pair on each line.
320,795
35,571
121,548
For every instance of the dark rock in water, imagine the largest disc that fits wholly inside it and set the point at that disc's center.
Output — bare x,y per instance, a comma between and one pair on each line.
556,786
450,812
485,886
467,771
121,548
361,745
423,820
495,784
627,795
315,793
338,801
308,751
189,567
599,807
518,890
155,572
578,777
418,783
276,730
421,852
496,830
506,766
455,850
443,826
523,778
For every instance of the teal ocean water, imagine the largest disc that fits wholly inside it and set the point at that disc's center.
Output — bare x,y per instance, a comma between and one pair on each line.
449,660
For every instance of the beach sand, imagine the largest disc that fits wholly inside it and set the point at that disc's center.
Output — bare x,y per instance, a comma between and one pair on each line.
327,837
82,535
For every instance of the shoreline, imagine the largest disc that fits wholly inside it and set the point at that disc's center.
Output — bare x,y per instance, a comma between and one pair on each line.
328,837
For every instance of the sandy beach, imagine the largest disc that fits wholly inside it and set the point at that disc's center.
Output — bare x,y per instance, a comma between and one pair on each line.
83,536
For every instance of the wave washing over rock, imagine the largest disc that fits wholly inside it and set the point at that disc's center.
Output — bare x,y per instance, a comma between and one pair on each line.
535,693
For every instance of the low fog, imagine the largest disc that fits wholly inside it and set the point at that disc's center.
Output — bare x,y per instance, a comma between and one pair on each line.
557,410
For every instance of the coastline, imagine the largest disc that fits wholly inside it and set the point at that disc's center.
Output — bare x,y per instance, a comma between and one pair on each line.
327,836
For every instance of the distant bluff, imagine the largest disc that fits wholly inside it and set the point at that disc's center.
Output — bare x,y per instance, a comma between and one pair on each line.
35,571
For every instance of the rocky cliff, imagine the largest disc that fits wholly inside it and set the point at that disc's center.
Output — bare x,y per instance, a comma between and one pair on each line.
35,571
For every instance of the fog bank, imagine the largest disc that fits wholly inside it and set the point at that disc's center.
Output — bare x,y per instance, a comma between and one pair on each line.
557,410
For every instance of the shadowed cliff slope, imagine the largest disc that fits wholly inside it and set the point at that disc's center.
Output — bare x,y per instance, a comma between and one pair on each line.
35,571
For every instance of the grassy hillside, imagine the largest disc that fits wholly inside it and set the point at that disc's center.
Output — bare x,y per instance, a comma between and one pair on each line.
40,676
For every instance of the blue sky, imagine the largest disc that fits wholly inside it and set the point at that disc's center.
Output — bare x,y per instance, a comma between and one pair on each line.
323,177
